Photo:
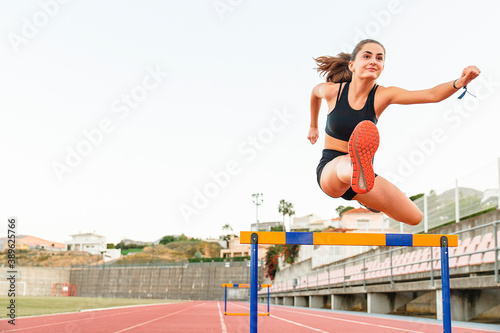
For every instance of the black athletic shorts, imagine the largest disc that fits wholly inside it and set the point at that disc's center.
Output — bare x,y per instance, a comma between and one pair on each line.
328,155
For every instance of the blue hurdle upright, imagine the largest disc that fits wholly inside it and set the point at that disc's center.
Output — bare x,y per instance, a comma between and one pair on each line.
348,239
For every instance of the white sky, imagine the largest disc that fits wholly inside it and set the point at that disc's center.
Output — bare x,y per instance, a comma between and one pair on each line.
225,70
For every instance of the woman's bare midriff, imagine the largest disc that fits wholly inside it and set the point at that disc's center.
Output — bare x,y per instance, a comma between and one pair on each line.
336,144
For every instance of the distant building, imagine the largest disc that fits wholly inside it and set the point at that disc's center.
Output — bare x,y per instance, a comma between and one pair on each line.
112,254
265,226
221,242
352,221
90,242
235,249
363,220
304,222
319,225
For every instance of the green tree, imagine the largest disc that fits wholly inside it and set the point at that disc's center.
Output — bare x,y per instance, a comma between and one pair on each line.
341,209
277,228
167,239
416,196
110,246
182,238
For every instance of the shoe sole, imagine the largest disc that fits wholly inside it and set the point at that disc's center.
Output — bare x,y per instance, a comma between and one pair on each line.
363,144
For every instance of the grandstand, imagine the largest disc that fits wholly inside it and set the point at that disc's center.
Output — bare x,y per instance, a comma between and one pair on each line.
404,279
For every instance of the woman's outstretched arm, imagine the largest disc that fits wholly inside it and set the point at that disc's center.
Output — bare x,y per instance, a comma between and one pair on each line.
395,95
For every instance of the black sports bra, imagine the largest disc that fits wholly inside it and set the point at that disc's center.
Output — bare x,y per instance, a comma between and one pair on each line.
342,120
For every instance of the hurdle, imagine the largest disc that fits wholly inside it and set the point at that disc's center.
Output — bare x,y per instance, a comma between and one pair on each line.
243,285
348,239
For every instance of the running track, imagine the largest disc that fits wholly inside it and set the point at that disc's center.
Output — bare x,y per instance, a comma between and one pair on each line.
208,316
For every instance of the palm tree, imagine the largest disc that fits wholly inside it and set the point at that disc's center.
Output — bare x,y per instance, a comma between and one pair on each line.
227,227
290,212
286,208
283,208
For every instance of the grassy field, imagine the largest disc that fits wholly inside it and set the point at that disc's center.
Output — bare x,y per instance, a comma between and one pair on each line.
31,305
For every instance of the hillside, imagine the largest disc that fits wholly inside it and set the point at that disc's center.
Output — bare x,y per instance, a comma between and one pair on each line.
52,259
172,252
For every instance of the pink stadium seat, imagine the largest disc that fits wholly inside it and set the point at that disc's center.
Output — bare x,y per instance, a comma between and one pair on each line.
369,269
372,273
464,259
322,278
416,260
425,266
356,273
489,257
402,264
477,259
411,258
395,260
384,268
436,256
336,276
459,250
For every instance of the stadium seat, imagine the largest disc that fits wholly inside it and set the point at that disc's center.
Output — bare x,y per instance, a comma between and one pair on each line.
464,259
416,261
402,264
489,257
425,266
323,278
372,269
436,256
411,259
384,268
457,251
477,259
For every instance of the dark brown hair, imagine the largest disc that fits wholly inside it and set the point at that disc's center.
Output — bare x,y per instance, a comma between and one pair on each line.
336,68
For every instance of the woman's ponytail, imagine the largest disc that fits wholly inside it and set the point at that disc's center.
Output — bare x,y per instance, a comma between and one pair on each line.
336,68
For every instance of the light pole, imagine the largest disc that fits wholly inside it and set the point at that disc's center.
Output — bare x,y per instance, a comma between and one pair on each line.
257,203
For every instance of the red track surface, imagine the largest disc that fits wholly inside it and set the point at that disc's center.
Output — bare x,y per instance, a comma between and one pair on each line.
208,316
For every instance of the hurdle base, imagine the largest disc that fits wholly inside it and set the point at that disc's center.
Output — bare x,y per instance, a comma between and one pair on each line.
244,314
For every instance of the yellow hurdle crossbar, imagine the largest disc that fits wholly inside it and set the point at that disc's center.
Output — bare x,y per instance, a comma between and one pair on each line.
359,239
244,285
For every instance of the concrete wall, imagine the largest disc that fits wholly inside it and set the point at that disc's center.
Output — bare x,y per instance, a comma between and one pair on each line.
193,282
37,280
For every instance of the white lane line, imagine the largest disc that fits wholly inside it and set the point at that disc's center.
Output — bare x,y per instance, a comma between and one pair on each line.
224,329
352,321
289,321
69,321
150,321
298,324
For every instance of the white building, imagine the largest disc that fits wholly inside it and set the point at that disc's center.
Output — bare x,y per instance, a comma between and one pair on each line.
265,226
90,242
304,222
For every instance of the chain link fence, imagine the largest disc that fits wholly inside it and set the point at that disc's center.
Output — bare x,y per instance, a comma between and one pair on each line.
473,194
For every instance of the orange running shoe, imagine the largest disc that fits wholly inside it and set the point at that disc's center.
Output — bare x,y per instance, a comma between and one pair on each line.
362,147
